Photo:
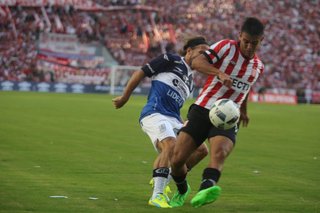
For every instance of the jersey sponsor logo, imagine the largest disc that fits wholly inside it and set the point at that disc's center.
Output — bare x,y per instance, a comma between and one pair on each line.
240,85
186,77
175,97
179,85
175,82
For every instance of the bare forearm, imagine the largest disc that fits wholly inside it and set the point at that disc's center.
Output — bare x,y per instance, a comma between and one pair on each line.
243,107
202,65
133,83
244,118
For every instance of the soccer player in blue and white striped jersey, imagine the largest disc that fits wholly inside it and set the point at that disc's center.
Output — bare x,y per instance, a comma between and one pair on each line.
172,83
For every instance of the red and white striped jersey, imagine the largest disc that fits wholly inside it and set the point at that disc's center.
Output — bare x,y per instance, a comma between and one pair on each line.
225,55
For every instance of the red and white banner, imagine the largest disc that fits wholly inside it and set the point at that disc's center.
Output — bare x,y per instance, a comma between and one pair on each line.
62,61
46,66
64,44
67,50
273,98
68,74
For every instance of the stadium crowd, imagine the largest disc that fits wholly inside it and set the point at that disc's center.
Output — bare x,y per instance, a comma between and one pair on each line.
136,30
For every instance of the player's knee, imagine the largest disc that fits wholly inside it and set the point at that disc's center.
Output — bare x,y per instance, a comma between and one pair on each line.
221,154
202,151
167,145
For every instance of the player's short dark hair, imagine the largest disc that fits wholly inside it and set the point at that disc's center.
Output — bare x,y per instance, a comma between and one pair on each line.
252,26
192,42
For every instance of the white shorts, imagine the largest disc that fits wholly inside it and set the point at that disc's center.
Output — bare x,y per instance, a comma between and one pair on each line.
159,127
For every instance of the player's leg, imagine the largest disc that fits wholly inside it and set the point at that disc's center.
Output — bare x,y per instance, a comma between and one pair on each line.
189,139
165,148
161,169
200,153
184,147
220,148
161,133
161,172
158,183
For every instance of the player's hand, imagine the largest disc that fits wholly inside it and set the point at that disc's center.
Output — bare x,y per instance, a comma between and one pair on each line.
244,119
226,80
119,102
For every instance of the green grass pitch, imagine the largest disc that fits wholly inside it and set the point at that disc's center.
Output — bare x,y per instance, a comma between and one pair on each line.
80,147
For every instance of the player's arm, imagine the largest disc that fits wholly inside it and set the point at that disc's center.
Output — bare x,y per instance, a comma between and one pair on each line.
133,82
201,64
244,119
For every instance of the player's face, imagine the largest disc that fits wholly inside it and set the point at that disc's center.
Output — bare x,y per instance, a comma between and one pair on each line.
249,44
194,52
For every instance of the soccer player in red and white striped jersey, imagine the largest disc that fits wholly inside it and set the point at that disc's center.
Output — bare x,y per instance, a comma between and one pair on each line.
226,56
232,68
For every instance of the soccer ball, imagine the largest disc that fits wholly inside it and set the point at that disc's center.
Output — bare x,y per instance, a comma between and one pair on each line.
224,114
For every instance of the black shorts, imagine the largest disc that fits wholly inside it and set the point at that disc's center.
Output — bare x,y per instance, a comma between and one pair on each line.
200,128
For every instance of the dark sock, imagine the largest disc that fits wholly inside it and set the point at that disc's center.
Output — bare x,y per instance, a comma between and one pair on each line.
210,177
181,183
161,172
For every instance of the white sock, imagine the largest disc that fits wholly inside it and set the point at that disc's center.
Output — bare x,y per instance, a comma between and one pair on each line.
169,177
159,185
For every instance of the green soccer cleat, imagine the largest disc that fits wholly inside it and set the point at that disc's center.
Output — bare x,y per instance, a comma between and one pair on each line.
151,182
159,201
166,191
206,196
178,199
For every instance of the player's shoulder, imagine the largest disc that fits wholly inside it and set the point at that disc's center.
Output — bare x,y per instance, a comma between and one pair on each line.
166,58
258,59
223,44
260,63
227,42
233,42
171,56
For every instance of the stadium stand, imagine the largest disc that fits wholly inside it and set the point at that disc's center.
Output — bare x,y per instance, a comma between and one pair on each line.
133,31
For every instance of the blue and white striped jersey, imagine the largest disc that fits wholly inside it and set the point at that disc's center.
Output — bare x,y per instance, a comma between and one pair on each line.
171,84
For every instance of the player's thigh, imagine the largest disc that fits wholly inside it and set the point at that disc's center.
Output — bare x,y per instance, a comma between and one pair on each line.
230,133
184,147
198,124
167,144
